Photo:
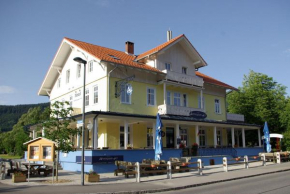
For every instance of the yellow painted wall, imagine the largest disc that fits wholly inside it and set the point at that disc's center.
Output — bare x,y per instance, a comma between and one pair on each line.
209,136
191,136
113,135
139,135
210,107
138,99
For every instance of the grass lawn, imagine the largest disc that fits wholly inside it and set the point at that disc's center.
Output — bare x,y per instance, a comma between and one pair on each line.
6,156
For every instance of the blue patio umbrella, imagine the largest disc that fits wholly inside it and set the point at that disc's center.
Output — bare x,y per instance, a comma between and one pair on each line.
267,138
158,138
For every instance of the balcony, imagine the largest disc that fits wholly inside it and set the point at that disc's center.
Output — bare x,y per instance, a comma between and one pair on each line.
183,78
235,117
176,110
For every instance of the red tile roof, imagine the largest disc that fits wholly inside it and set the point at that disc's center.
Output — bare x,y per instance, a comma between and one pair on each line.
214,81
103,54
159,48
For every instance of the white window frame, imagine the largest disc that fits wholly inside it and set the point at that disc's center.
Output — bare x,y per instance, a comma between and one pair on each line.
219,137
96,94
67,76
168,65
58,82
71,100
150,137
217,106
91,66
123,132
176,99
184,70
183,136
147,96
87,97
184,100
79,70
125,98
168,97
202,133
199,102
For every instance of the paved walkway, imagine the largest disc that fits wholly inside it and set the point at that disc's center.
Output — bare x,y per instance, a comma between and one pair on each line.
112,184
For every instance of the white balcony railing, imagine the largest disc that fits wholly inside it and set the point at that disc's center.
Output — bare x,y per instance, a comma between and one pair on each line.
235,117
188,79
176,110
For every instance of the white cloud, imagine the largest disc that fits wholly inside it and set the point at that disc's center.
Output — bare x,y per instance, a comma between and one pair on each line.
6,90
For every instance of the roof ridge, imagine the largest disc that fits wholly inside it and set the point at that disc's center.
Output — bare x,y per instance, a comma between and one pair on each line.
155,49
98,46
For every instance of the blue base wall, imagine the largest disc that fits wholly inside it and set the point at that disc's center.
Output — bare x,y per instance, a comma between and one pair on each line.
249,151
69,162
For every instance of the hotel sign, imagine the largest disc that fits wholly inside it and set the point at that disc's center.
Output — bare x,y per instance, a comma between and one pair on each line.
197,114
100,159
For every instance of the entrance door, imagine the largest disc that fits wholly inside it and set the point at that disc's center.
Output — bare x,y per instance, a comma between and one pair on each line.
170,137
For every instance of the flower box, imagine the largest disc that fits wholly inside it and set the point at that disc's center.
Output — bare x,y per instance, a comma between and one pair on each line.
16,178
92,177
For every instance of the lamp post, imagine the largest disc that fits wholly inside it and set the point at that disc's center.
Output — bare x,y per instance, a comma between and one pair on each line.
80,60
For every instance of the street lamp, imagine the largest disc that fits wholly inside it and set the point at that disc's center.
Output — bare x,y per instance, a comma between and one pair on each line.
80,60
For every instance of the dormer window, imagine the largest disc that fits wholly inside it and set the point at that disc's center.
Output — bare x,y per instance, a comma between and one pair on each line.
168,66
184,70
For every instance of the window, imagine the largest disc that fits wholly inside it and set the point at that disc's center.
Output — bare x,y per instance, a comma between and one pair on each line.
46,152
125,97
176,99
202,137
96,95
168,98
184,70
91,66
219,137
217,106
184,100
58,82
87,97
67,76
71,101
183,136
199,102
122,135
149,137
79,67
168,66
150,96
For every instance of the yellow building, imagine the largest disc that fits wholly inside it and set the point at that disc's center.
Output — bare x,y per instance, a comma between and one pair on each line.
165,80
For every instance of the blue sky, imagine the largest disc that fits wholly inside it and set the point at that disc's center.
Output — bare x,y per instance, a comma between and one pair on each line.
232,36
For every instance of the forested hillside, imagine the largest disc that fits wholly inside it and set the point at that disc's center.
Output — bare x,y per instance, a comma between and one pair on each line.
9,115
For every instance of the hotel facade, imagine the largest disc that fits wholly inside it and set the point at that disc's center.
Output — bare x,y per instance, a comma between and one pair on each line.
124,92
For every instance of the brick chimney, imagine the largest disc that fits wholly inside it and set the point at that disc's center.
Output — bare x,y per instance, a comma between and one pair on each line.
129,47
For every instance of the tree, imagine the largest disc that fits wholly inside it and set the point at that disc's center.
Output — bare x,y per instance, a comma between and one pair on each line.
285,119
57,128
260,99
12,141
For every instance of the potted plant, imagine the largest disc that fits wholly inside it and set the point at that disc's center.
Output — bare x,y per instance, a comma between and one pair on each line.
18,177
194,149
92,176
